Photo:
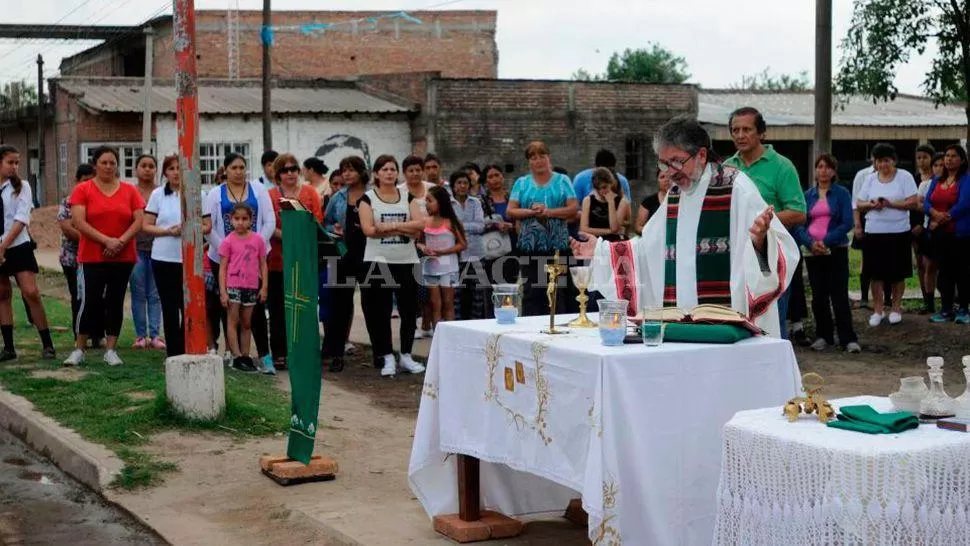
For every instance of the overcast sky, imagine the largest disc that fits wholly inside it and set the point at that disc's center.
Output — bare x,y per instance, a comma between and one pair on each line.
536,38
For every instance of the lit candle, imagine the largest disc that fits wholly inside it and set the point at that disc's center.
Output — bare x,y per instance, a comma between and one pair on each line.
612,330
508,302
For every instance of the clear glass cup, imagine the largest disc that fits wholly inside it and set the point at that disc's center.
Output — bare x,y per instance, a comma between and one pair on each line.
652,327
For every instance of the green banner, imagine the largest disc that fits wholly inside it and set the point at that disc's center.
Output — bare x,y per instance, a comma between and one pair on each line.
300,294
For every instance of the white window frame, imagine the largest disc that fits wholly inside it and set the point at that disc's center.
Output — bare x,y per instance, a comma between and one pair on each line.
128,152
212,154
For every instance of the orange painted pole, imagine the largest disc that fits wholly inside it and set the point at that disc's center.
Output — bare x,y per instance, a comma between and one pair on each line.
187,114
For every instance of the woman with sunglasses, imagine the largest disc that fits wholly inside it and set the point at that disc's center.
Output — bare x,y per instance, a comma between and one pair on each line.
286,173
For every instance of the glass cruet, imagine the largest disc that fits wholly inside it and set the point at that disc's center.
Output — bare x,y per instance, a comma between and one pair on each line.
937,404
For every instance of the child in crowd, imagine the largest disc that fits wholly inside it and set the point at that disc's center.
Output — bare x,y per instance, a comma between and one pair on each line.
243,280
441,241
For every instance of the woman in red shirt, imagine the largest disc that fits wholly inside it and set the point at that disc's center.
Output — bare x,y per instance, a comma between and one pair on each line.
108,215
286,171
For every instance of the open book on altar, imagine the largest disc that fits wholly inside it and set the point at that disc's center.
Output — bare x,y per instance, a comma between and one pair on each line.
707,313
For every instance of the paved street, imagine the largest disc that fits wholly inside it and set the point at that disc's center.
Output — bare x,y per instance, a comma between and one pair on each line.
39,504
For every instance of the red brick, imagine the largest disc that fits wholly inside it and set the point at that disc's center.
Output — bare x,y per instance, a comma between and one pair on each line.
491,526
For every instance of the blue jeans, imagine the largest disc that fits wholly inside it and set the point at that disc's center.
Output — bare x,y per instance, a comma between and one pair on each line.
783,312
144,298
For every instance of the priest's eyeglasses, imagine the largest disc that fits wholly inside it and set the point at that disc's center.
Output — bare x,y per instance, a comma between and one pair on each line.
665,166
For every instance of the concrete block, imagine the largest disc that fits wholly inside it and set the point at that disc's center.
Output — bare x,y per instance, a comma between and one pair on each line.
491,526
195,386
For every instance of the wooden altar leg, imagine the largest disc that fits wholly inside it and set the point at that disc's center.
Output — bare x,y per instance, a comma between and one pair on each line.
576,514
471,524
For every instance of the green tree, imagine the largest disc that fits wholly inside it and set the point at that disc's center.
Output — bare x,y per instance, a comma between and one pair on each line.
885,34
16,95
654,65
583,75
766,81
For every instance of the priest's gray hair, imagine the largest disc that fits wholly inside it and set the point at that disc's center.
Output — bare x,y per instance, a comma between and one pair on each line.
683,132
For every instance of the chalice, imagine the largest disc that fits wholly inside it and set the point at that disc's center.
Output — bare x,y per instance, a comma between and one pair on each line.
581,276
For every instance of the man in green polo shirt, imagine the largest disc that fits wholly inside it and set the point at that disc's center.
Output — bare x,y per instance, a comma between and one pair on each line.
775,177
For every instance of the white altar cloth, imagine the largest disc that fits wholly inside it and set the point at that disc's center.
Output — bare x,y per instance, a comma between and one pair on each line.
805,483
634,430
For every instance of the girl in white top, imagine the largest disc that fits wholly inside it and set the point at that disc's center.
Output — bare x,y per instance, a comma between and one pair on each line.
163,221
391,221
17,255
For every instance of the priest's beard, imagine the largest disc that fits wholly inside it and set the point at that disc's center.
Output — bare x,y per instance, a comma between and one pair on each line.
688,183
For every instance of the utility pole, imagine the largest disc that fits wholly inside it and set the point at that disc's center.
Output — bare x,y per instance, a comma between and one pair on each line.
40,130
823,77
267,38
187,114
146,117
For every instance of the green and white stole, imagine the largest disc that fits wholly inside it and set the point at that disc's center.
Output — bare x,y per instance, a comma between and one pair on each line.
713,242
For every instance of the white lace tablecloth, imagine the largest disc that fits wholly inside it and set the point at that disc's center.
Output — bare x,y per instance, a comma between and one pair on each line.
806,483
634,430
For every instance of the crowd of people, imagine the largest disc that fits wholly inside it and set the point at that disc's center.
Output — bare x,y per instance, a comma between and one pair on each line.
423,247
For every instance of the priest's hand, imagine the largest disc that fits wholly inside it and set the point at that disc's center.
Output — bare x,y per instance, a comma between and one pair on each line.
585,246
759,229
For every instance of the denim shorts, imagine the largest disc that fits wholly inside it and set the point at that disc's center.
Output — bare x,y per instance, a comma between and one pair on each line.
446,280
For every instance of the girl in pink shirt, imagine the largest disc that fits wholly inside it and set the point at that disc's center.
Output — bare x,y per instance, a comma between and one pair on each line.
243,280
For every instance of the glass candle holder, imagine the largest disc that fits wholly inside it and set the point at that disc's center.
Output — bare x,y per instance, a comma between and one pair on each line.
612,322
505,297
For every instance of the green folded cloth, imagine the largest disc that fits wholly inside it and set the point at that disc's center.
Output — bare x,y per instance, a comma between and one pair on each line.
867,420
704,333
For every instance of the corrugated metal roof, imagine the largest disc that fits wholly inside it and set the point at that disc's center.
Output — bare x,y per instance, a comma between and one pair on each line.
798,108
232,100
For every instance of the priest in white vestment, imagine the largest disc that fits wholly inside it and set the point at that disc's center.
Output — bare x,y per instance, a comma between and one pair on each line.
713,240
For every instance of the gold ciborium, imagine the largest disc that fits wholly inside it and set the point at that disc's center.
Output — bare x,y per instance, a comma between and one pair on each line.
581,276
813,402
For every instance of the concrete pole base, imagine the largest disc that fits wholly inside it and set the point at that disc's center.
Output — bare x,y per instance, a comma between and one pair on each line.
195,386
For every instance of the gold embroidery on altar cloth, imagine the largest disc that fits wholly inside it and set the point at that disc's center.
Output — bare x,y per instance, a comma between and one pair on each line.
519,372
430,390
606,533
493,354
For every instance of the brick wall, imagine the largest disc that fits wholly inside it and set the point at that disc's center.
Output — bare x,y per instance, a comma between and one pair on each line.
456,43
491,121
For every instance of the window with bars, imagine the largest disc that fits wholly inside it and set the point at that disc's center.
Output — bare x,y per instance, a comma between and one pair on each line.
127,152
212,154
634,157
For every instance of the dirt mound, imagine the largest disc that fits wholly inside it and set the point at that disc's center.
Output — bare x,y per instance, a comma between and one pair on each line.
44,228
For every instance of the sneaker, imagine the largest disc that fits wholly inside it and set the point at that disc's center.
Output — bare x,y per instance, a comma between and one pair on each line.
350,348
140,343
269,371
111,358
390,366
408,363
157,343
268,367
7,354
876,319
423,334
820,345
895,317
48,353
941,317
244,364
799,337
336,365
853,348
75,359
962,317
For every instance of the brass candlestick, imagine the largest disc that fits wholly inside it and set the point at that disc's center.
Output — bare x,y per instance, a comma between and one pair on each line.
581,280
553,271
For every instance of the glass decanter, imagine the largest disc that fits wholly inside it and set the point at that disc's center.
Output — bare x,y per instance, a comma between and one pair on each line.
937,404
962,403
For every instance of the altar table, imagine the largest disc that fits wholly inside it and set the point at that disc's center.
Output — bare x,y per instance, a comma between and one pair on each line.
634,430
805,483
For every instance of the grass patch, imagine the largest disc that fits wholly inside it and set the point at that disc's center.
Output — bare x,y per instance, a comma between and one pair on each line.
99,408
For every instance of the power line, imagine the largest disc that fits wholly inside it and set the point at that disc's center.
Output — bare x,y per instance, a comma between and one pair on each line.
65,16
